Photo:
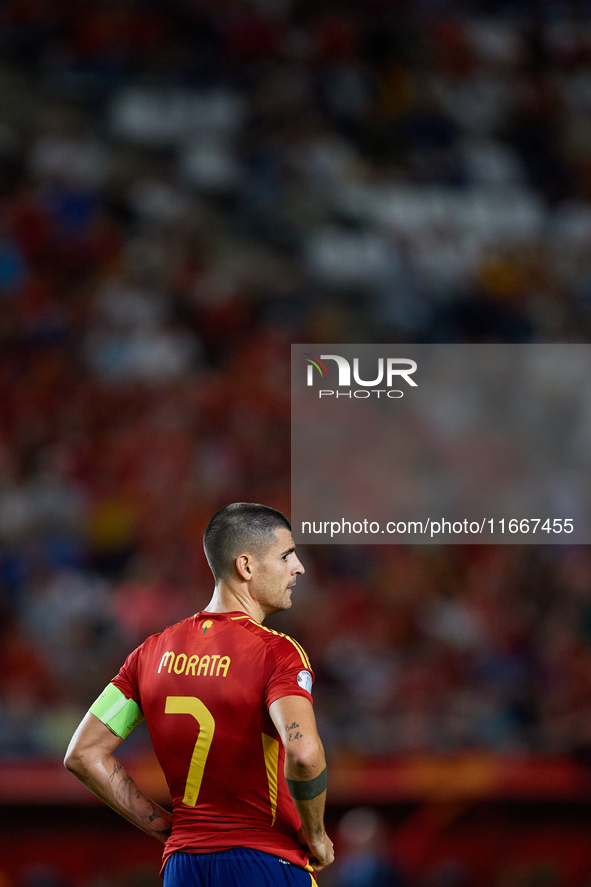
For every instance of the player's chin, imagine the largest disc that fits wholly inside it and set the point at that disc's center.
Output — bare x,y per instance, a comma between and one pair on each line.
278,608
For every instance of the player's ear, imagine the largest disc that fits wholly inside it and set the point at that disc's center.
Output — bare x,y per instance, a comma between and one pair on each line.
244,563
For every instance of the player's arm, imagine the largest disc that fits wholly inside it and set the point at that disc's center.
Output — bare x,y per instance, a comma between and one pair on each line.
305,772
90,758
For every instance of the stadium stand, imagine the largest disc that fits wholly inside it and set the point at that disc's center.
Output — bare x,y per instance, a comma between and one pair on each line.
186,189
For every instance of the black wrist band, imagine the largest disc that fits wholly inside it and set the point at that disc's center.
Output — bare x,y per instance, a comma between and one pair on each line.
307,791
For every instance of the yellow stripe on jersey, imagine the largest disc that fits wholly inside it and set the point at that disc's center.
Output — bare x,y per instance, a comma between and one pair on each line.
303,653
271,750
300,650
280,634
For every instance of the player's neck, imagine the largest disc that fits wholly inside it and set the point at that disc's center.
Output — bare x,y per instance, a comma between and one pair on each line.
229,598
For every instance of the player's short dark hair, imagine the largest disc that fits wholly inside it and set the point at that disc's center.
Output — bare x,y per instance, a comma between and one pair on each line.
241,527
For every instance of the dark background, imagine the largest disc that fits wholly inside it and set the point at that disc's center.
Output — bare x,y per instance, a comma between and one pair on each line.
185,190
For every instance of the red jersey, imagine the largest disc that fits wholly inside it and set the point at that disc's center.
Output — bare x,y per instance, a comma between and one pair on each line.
204,687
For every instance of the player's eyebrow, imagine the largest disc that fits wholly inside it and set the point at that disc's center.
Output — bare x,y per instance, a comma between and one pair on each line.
287,551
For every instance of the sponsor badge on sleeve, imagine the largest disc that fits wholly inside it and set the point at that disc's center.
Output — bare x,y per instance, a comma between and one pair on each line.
305,681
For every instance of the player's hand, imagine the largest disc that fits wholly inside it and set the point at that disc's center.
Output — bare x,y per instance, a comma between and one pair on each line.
321,850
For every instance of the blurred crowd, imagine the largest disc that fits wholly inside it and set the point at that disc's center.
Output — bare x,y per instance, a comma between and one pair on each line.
441,650
187,188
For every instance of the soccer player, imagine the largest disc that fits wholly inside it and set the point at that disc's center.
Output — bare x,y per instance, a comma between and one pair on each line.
229,708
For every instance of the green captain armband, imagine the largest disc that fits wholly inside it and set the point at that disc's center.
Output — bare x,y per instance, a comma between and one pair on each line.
117,712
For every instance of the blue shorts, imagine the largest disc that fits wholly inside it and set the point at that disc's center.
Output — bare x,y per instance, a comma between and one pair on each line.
238,867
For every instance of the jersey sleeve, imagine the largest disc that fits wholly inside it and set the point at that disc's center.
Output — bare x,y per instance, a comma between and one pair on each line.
127,678
290,671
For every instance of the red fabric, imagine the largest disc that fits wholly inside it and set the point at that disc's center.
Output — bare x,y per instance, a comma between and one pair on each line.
233,807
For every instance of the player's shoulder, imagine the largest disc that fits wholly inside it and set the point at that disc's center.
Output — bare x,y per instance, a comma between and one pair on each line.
170,632
280,643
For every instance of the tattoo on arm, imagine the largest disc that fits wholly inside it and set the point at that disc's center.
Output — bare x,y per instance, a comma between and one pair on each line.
124,792
139,805
116,770
165,832
289,728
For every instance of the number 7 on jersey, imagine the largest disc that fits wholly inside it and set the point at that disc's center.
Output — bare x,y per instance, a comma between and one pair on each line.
190,705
